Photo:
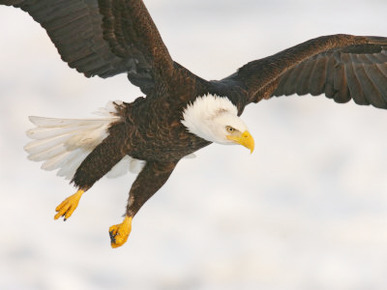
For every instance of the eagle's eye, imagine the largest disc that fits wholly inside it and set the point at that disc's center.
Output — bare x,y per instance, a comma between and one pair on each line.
230,129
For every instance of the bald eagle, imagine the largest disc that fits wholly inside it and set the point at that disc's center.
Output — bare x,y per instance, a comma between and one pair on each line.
181,112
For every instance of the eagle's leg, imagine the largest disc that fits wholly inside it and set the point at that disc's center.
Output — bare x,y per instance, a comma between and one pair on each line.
99,162
150,179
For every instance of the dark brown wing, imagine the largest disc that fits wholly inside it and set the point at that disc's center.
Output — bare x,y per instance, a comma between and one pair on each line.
104,37
343,67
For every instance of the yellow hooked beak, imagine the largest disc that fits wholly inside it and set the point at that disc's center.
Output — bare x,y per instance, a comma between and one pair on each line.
244,139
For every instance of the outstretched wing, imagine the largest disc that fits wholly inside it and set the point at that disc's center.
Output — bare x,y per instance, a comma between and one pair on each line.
104,37
343,67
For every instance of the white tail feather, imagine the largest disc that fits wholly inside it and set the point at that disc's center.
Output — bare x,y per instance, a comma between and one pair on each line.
64,143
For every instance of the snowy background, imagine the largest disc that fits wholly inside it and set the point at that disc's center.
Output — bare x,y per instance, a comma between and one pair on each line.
308,210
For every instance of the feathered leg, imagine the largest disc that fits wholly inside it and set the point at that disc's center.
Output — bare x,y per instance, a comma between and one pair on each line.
150,179
99,162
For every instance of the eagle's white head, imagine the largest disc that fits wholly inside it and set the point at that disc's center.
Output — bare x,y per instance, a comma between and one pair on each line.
215,119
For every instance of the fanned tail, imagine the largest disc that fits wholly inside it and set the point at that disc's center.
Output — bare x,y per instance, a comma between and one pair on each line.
64,143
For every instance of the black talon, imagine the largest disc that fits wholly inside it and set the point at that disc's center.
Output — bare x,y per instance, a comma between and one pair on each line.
112,237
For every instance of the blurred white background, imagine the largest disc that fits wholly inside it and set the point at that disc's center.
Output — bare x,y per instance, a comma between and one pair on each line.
308,210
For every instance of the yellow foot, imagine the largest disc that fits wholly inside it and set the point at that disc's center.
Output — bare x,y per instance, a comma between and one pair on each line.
67,207
120,233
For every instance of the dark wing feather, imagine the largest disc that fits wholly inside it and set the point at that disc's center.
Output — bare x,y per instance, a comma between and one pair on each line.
104,37
343,67
342,75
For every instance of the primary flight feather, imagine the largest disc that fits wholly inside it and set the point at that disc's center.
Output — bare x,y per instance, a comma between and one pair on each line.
181,112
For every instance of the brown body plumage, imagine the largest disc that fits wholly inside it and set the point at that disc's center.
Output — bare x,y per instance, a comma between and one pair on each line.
120,36
145,134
